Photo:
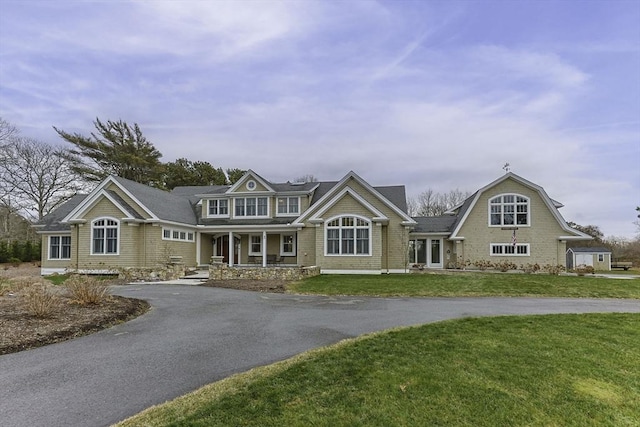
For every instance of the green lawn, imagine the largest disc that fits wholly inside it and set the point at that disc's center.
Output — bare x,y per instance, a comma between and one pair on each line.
469,284
559,370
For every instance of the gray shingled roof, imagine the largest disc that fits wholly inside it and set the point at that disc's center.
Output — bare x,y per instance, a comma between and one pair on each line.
51,222
125,205
289,186
180,205
434,224
192,190
394,193
164,205
463,209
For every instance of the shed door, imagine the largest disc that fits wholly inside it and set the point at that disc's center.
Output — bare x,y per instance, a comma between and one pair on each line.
586,259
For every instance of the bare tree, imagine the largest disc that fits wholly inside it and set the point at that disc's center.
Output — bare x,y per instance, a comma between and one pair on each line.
34,177
7,131
306,178
431,203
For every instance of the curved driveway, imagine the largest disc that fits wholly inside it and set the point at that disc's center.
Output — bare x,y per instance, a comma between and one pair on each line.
196,335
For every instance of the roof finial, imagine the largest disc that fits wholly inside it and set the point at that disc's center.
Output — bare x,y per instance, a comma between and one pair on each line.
506,167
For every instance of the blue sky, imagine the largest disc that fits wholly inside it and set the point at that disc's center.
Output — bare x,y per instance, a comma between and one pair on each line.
430,94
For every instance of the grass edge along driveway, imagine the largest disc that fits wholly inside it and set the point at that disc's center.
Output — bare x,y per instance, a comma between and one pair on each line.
569,369
469,284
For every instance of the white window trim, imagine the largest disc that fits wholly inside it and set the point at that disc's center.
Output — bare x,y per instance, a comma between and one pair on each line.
119,237
492,245
293,251
287,213
178,239
251,251
268,215
326,228
60,258
208,211
515,213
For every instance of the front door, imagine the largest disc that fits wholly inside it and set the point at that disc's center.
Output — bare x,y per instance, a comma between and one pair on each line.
435,253
222,248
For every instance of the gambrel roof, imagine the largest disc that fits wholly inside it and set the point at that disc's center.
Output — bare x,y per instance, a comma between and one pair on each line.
467,206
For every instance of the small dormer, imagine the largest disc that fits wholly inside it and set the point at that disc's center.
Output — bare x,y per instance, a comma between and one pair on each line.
251,182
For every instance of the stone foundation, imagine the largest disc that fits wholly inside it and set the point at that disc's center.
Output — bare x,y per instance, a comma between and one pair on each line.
171,271
224,272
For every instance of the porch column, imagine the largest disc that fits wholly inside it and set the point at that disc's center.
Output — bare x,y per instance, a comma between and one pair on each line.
231,249
198,256
264,248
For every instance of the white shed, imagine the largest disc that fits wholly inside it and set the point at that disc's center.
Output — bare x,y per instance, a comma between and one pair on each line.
598,257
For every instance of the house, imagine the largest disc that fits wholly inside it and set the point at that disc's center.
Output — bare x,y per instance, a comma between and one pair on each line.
597,257
345,226
510,219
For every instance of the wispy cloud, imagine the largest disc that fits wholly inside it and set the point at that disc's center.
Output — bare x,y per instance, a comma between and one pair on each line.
427,94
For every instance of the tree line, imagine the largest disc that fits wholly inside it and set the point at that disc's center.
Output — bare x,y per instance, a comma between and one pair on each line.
37,177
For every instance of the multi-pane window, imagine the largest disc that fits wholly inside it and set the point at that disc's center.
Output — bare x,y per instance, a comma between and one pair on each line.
185,236
252,206
255,245
60,247
509,249
287,246
218,207
288,205
509,209
348,235
104,236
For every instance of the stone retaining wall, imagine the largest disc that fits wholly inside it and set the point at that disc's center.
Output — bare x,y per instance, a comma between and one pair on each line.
224,272
171,271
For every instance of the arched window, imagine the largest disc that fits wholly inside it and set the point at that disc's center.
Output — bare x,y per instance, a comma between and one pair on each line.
348,235
104,236
509,210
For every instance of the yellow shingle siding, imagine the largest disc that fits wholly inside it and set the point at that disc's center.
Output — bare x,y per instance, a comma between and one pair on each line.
542,233
54,263
388,242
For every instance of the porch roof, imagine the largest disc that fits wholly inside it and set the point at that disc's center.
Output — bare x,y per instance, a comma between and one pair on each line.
241,222
434,224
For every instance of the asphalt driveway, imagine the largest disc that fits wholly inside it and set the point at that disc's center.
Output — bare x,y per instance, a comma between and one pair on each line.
196,335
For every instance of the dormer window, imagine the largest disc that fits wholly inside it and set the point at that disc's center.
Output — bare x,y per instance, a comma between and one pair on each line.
509,210
288,205
251,206
218,207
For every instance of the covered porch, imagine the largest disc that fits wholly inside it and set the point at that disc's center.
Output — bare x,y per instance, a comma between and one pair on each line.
249,248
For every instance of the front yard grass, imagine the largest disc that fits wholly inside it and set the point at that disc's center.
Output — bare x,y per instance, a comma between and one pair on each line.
569,370
467,284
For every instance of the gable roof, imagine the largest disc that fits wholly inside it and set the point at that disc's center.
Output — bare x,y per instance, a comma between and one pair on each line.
161,204
328,193
266,184
52,221
157,204
552,205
